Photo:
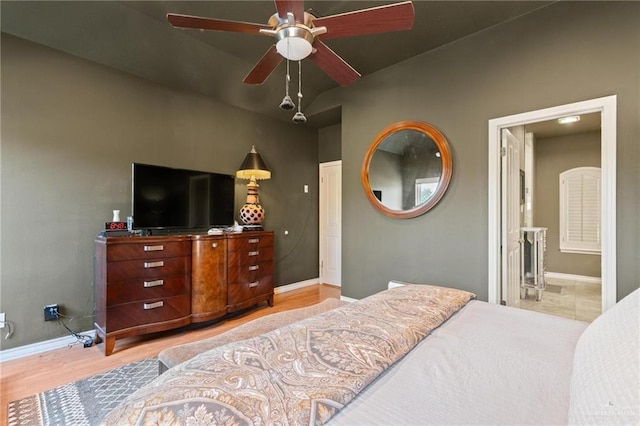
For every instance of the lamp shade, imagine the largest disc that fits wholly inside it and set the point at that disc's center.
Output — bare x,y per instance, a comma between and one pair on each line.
253,166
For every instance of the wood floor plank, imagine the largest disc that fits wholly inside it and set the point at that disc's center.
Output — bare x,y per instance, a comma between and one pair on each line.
33,374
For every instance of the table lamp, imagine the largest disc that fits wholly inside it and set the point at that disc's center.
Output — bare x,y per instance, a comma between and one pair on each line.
252,168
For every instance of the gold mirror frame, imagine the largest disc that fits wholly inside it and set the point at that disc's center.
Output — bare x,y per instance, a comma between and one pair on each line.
445,157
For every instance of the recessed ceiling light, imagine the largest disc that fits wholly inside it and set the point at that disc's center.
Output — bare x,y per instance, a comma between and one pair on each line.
570,119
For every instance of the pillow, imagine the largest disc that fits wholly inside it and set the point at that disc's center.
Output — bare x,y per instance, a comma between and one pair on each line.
605,381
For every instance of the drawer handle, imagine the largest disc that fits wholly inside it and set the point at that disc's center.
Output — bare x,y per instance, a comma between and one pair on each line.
155,283
154,248
254,240
254,253
157,264
254,267
253,284
154,305
214,245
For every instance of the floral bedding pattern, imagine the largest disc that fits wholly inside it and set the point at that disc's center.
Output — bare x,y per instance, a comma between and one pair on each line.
300,374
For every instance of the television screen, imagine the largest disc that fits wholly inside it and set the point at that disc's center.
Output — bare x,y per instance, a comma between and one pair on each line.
164,197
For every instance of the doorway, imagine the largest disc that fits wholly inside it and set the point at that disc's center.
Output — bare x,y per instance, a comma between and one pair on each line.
607,108
561,168
331,223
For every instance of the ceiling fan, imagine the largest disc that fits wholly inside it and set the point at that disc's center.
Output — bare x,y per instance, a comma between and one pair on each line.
299,33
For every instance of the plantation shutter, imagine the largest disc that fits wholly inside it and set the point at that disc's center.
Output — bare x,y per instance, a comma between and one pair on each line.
580,200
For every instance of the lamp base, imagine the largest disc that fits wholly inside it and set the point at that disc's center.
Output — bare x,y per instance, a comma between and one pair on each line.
252,214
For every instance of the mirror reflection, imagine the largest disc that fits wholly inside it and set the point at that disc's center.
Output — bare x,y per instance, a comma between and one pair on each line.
407,169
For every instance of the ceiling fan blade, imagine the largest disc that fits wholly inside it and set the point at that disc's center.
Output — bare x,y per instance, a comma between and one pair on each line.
199,23
333,65
265,66
294,6
392,17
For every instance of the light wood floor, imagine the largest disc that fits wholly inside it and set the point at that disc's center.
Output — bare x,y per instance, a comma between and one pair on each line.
30,375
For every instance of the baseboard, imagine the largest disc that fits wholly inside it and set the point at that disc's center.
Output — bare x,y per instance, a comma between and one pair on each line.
573,277
390,284
307,283
61,342
36,348
295,286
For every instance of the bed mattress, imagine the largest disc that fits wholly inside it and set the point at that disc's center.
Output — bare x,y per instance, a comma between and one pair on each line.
488,364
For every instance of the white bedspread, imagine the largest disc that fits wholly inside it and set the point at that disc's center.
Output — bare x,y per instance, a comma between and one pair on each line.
486,365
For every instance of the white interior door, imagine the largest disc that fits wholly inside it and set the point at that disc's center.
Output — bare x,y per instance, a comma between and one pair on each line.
511,218
331,223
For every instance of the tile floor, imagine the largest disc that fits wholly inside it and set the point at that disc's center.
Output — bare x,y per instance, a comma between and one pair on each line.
567,298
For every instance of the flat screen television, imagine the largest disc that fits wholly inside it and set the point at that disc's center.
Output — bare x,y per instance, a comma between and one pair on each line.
179,199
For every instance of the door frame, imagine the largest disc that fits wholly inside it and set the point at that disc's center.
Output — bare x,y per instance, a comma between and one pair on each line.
607,108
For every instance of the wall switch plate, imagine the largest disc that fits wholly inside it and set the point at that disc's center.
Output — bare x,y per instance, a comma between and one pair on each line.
2,320
306,189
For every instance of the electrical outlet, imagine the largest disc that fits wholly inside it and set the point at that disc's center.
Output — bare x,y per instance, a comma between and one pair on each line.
2,320
51,312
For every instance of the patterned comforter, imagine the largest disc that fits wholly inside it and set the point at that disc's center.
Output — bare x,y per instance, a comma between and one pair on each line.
300,374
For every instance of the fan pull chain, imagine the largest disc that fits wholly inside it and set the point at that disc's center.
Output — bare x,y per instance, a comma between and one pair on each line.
299,85
287,103
288,79
299,116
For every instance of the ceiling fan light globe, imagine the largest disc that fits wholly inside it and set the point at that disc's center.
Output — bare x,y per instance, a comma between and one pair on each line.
294,43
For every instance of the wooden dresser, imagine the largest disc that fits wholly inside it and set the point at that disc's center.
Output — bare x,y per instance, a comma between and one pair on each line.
150,284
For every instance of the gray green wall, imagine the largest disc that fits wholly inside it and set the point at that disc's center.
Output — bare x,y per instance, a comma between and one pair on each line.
70,131
568,52
330,143
554,156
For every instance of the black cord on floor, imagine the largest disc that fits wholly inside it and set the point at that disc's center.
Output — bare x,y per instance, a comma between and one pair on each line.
87,341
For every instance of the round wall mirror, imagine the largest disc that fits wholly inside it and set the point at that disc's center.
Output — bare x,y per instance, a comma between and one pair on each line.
407,169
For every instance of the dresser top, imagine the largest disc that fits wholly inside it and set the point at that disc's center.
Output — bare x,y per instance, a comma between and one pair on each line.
136,239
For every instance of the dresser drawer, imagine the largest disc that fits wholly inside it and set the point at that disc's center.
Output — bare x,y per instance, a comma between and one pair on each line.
149,249
248,273
242,292
148,312
147,268
250,256
143,289
250,242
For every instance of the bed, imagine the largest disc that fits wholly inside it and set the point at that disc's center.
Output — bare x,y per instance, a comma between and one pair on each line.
414,354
